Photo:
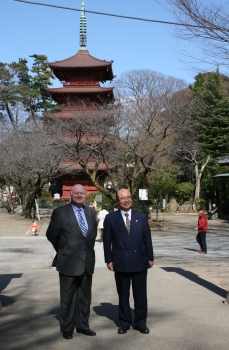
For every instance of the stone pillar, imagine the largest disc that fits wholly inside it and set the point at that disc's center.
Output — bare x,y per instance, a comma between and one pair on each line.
173,205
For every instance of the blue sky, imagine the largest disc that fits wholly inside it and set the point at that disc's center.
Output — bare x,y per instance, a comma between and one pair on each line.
30,29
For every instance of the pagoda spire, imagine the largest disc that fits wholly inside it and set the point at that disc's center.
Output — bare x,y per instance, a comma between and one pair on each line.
83,27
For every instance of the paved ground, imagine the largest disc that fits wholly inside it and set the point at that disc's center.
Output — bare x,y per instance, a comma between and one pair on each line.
174,245
186,291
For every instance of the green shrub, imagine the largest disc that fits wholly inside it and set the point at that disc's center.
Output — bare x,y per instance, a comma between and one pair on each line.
108,203
45,194
200,202
184,191
141,206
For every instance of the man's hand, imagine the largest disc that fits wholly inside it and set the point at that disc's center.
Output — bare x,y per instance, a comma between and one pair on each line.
150,264
110,266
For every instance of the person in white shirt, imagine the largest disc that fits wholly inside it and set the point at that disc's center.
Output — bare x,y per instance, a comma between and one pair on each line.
101,216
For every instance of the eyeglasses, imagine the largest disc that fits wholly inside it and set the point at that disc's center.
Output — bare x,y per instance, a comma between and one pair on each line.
124,198
77,193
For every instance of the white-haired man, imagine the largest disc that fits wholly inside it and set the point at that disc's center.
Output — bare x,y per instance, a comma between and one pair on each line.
72,232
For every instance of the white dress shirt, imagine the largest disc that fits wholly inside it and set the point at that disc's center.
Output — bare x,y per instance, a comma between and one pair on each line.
123,215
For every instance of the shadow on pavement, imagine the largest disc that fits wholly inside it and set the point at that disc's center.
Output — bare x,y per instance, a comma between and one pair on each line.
192,250
56,313
108,310
196,279
6,301
6,279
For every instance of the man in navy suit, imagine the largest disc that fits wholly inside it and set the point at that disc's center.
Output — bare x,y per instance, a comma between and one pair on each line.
72,232
128,252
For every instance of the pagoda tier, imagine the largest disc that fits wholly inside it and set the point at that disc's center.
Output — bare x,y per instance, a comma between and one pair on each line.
81,92
82,67
84,109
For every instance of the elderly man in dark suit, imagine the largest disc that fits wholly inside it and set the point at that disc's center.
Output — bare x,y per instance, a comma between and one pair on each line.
72,232
128,252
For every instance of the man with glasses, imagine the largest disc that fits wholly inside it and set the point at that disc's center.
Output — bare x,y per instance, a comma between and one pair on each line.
128,252
72,232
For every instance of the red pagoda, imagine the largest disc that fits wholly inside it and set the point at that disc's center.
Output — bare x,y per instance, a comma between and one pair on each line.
81,76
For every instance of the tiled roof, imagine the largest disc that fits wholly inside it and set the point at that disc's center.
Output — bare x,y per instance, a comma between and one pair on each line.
61,114
74,112
79,90
74,166
223,160
81,60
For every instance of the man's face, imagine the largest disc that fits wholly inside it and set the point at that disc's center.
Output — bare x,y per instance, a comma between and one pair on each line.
78,195
200,212
124,200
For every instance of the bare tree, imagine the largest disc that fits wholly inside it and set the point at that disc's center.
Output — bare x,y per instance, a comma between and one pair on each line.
129,139
28,159
205,23
190,151
152,113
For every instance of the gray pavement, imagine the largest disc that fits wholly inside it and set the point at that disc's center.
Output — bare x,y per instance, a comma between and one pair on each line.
186,291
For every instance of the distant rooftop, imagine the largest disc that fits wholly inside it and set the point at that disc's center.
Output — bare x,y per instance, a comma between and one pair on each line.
223,160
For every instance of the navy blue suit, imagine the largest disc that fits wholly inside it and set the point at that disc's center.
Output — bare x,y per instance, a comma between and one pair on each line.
130,254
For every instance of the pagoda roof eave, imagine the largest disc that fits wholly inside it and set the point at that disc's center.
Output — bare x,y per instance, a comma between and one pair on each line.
74,166
68,114
79,90
81,60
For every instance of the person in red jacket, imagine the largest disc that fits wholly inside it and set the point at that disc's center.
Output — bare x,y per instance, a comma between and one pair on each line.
202,229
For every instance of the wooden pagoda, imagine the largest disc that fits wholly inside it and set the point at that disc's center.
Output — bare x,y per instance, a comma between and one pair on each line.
81,76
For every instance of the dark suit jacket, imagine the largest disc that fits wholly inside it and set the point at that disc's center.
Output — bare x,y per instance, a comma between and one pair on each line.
128,252
74,251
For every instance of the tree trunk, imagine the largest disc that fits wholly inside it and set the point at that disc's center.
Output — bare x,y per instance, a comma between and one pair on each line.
197,190
199,176
27,200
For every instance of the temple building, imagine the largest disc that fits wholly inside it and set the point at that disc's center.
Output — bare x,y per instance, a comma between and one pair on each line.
81,76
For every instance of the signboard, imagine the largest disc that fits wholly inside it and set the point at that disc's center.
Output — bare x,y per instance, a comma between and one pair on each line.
143,195
98,198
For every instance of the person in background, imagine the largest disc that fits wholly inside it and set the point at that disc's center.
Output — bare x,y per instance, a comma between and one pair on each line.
212,211
101,216
34,228
202,229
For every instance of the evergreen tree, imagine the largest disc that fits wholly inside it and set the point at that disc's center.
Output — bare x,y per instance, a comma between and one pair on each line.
212,114
22,92
14,91
41,101
23,99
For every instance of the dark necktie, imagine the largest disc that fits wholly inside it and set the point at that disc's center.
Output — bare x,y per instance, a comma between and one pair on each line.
82,223
127,222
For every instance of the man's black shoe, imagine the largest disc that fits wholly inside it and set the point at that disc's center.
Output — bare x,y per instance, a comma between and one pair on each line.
123,329
86,331
67,335
143,330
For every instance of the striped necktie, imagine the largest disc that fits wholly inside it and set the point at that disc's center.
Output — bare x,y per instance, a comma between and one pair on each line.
127,222
82,223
